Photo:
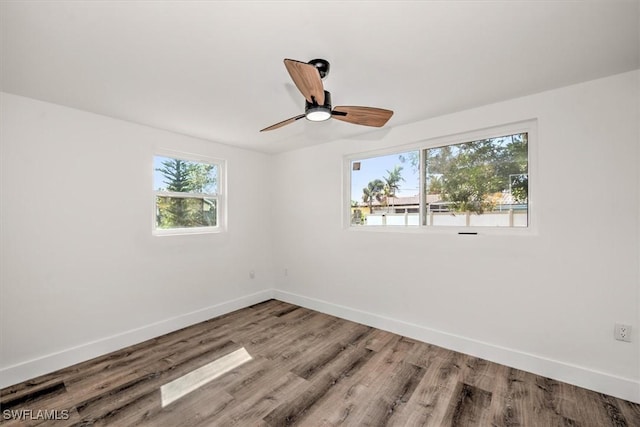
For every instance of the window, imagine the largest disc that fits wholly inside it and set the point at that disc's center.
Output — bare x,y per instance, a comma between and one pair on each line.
470,181
482,183
187,195
385,190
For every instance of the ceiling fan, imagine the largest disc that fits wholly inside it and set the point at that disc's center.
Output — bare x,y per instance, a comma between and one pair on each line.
308,77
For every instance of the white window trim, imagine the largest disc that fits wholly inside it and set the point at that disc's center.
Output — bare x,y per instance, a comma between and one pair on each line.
220,196
529,126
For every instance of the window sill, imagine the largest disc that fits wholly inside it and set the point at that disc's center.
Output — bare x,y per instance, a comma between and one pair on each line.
467,232
187,231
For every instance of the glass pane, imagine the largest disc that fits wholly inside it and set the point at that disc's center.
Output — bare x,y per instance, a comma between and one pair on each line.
385,190
482,183
186,212
184,176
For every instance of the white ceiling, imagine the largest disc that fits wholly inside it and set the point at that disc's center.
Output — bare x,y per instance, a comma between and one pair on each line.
214,70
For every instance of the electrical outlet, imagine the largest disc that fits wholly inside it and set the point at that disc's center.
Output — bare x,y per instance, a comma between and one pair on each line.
622,332
252,274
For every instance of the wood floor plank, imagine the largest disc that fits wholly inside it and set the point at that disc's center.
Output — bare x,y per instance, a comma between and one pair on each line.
326,352
272,333
283,343
384,361
469,406
316,338
423,354
479,373
599,408
388,397
430,400
527,399
258,404
29,390
336,408
261,379
34,396
631,412
310,369
202,408
378,339
294,411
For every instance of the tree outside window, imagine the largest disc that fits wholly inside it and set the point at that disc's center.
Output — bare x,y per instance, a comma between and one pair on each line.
186,193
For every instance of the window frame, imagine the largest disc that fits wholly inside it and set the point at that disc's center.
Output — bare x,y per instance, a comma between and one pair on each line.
219,196
526,126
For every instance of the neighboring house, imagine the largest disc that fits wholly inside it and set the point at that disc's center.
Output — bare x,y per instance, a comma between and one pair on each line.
411,204
399,205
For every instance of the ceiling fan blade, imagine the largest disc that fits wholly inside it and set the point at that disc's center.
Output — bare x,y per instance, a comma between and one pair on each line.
307,80
367,116
283,123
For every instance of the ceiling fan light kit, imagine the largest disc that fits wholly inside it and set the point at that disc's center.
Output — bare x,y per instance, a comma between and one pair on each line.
308,77
318,113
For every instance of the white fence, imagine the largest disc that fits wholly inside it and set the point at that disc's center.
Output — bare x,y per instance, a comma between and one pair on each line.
508,218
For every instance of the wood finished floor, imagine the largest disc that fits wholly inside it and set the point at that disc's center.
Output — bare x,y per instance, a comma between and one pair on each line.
308,369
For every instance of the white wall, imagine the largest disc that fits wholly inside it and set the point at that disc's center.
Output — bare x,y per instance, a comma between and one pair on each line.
81,272
546,303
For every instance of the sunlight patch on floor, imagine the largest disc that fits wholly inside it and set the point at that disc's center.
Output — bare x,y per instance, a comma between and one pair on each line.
179,387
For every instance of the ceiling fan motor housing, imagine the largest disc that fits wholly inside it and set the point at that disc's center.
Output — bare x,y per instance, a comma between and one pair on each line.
318,113
322,65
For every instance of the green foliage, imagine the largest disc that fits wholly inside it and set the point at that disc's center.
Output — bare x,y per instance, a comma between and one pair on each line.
470,176
188,177
201,179
438,159
472,172
392,182
520,188
373,191
178,212
515,165
176,174
434,185
182,176
383,189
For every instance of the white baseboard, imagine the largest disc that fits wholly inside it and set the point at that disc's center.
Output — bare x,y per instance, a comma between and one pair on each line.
52,362
601,382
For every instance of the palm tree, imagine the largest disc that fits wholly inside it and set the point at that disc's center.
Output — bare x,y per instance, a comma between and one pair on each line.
373,191
392,183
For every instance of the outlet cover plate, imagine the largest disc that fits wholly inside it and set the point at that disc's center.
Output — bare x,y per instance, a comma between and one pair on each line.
622,332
